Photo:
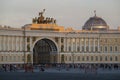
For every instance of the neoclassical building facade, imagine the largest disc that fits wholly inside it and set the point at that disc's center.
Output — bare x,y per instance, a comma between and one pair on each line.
44,41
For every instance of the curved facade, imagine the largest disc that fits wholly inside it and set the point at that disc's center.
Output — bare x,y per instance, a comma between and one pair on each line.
45,42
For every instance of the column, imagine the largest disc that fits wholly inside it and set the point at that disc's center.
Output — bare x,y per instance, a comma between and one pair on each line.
31,44
16,42
2,46
4,43
89,45
67,44
80,44
84,44
0,43
13,44
98,45
21,48
10,43
76,44
25,43
59,44
64,44
71,44
93,44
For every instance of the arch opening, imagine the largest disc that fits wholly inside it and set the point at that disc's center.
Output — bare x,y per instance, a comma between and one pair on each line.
43,51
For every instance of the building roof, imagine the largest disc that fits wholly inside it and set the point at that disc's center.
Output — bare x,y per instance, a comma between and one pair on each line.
95,23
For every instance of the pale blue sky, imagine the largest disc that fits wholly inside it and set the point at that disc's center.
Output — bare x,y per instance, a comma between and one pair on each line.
68,13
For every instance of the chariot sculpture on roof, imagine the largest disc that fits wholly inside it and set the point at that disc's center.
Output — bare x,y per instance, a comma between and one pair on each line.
42,20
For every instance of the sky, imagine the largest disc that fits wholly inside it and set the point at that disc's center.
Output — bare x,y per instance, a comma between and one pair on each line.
68,13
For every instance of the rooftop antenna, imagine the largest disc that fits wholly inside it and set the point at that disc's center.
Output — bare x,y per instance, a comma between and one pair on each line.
95,12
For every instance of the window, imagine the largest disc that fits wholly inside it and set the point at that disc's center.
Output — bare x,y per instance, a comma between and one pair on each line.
105,49
14,58
78,49
110,58
74,47
28,47
69,48
56,39
105,58
100,48
66,58
33,39
78,58
87,48
1,58
70,58
91,58
6,58
62,48
116,48
10,57
28,39
96,48
100,58
19,58
110,48
83,58
62,40
82,48
96,58
87,58
23,58
92,48
116,58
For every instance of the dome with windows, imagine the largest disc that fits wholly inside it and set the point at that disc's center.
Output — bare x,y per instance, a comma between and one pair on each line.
95,23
